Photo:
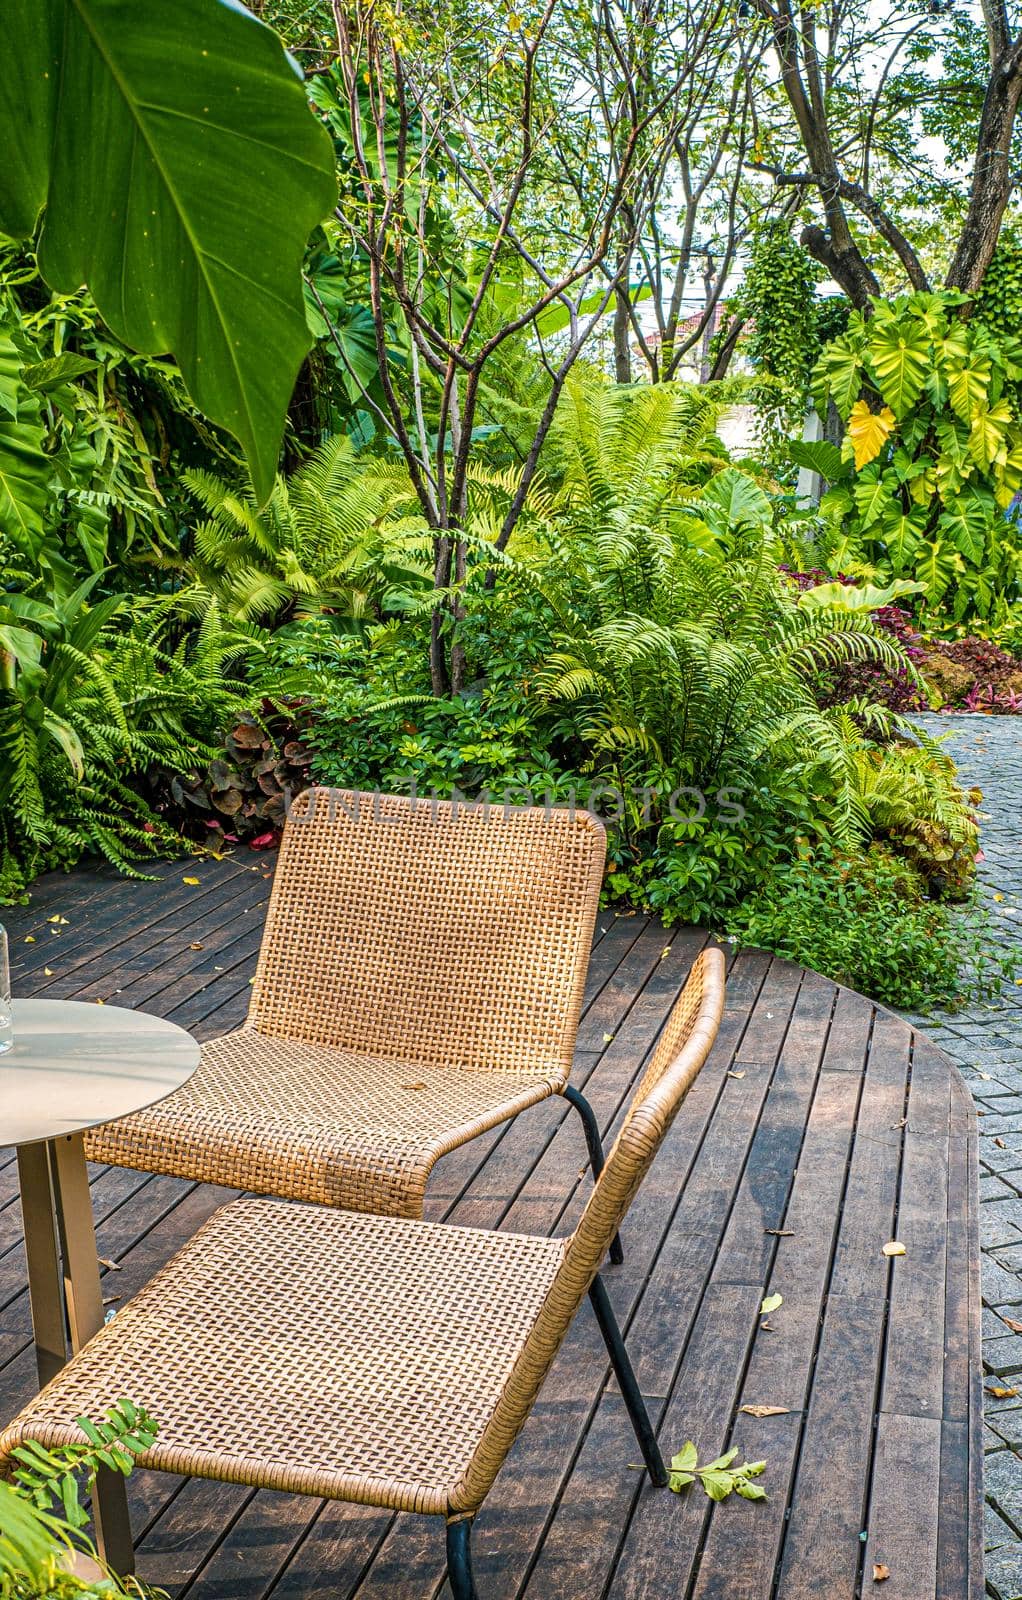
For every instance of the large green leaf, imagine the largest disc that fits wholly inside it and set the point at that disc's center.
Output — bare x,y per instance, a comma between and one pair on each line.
733,498
25,470
181,171
901,358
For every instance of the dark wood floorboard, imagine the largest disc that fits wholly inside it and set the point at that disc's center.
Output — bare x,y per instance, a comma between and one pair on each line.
820,1129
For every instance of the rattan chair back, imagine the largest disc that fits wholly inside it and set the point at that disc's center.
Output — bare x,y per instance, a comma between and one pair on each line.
681,1050
431,931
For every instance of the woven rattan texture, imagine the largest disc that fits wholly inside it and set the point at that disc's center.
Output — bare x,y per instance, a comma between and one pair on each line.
421,931
315,1351
420,980
312,1123
366,1358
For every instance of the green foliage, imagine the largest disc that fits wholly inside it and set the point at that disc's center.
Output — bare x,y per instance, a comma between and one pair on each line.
999,302
85,707
156,121
41,1513
321,543
864,920
778,296
932,456
725,1476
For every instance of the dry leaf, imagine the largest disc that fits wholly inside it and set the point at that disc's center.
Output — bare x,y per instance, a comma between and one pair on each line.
998,898
736,1074
880,1572
413,1086
999,1393
61,921
112,1299
111,1266
607,1037
895,1248
765,1411
766,1327
198,945
665,952
1009,1322
771,1303
781,1233
1000,1144
902,1124
984,1075
192,881
29,938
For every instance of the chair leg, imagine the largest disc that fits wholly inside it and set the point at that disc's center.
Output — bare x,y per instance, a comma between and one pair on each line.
655,1464
595,1146
459,1559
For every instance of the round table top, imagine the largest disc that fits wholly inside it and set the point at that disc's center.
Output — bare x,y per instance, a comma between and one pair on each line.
75,1065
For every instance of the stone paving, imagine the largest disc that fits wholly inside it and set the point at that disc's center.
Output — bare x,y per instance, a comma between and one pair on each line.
986,1043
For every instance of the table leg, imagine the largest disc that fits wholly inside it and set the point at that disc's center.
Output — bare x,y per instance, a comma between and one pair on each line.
84,1299
41,1249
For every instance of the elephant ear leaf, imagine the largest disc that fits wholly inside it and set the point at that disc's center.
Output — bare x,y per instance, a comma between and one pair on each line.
180,171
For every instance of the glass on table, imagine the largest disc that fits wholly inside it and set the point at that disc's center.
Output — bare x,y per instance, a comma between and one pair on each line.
6,1011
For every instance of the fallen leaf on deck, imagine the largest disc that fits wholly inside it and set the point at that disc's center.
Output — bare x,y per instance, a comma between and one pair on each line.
29,938
999,1393
781,1233
894,1248
192,881
198,945
112,1299
1009,1322
998,897
766,1327
736,1074
47,972
984,1075
111,1266
413,1086
100,1002
771,1303
765,1411
61,921
880,1572
665,952
607,1037
1000,1144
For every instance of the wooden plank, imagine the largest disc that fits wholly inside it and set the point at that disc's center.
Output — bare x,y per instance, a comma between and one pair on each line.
822,1550
902,1518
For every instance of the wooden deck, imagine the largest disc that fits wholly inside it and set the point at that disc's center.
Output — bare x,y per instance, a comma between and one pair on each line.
820,1130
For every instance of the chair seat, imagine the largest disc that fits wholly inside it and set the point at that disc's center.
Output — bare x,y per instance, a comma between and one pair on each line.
314,1351
311,1122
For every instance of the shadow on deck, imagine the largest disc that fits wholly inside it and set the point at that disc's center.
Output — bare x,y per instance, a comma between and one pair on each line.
820,1129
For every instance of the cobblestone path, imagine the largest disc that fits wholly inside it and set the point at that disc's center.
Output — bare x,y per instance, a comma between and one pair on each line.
986,1043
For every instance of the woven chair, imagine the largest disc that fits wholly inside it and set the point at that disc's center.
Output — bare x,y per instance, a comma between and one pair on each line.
420,981
372,1359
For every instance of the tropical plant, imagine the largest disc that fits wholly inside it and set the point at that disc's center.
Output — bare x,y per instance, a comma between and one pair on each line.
42,1519
322,543
932,455
188,133
84,708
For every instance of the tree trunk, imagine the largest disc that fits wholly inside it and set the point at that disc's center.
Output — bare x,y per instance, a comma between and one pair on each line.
622,335
991,182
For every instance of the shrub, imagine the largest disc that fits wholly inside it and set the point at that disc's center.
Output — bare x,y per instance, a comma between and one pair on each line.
863,920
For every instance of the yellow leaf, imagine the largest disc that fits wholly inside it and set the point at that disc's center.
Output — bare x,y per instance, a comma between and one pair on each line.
58,918
998,897
771,1303
999,1393
190,880
765,1411
869,431
29,939
47,972
880,1572
894,1248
